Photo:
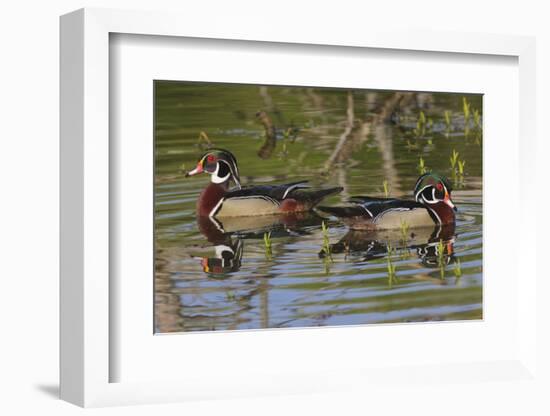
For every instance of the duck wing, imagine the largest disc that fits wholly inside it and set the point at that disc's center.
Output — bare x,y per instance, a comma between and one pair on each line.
377,207
371,207
274,192
272,199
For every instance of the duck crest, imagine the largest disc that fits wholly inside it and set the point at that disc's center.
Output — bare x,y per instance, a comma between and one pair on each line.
210,197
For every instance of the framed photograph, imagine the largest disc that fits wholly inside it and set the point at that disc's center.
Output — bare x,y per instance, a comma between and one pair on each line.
280,214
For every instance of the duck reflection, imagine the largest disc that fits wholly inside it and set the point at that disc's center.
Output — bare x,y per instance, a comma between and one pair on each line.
427,242
227,236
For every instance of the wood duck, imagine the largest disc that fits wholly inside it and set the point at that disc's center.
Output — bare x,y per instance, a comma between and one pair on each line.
218,200
432,205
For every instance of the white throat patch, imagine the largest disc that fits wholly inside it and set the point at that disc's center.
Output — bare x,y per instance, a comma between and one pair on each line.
217,179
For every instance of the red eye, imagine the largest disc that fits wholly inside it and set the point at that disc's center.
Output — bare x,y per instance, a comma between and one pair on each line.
211,158
439,186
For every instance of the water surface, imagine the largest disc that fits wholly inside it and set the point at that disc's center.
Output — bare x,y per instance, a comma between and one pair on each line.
206,279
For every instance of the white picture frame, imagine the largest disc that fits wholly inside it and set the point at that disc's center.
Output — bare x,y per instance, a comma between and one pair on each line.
86,304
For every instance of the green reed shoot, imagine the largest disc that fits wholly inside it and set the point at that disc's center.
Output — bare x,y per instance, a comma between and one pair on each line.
420,130
404,229
288,136
461,164
326,242
422,166
447,120
392,278
458,269
441,258
268,245
454,159
477,120
386,186
466,109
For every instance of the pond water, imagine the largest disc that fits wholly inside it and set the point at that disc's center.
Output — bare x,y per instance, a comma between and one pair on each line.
368,142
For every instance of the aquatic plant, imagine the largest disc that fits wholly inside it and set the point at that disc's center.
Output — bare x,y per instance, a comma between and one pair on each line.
447,120
404,229
461,164
441,258
326,242
286,138
268,245
420,130
327,252
466,109
386,188
458,269
392,278
421,166
230,295
453,159
477,120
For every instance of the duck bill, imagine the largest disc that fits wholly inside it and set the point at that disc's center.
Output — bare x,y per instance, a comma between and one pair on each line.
196,171
448,201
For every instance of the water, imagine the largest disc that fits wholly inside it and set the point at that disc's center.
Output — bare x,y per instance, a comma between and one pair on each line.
209,280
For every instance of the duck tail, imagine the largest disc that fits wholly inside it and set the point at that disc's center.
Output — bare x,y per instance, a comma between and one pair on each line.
342,212
317,196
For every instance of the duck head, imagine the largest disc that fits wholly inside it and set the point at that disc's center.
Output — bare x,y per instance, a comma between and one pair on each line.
434,192
220,164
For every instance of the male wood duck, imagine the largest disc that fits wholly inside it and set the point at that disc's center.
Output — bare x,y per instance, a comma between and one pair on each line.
218,200
432,205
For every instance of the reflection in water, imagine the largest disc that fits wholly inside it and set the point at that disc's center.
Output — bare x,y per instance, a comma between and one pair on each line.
226,236
425,241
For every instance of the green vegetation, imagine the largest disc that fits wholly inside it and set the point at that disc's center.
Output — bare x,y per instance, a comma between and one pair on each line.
421,166
392,277
326,242
268,245
327,252
466,109
420,130
457,168
448,125
386,187
458,269
461,164
441,261
453,159
477,120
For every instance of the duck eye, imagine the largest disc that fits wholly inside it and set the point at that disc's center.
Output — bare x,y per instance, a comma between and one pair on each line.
211,158
439,186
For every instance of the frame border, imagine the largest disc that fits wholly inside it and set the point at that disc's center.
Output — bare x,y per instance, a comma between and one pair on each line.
84,180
